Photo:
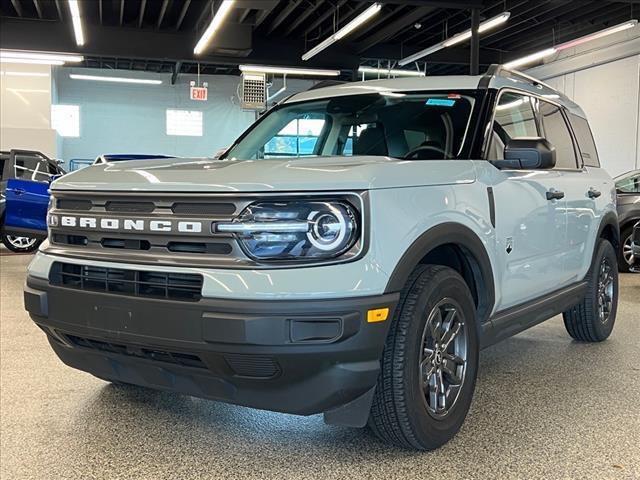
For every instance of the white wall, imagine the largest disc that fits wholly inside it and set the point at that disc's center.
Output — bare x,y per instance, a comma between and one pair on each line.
131,118
25,108
603,77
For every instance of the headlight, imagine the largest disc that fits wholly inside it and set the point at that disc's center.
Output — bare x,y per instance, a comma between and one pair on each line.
295,230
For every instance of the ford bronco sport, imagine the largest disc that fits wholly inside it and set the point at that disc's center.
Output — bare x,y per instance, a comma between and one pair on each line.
349,254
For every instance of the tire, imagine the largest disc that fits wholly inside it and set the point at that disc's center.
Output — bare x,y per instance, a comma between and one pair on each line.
402,413
625,244
17,245
593,318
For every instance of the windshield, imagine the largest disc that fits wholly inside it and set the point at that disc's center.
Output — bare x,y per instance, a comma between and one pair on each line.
401,125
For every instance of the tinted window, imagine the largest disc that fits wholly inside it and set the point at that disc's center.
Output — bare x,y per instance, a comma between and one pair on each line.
629,183
557,132
585,140
25,167
514,118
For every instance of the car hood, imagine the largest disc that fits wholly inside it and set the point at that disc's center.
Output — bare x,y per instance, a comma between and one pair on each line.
272,175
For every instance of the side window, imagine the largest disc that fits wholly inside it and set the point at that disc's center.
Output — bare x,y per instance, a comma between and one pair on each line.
26,167
557,132
585,140
513,118
629,184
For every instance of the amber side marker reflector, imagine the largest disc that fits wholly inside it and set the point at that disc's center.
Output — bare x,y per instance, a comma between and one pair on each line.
377,315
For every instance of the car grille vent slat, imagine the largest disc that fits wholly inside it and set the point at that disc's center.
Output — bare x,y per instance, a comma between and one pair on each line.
189,208
130,207
73,204
176,358
173,286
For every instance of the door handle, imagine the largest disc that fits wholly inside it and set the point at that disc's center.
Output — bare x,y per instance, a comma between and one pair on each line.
554,195
19,191
593,193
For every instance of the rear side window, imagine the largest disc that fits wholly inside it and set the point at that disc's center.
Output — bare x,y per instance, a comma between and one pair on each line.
557,132
585,140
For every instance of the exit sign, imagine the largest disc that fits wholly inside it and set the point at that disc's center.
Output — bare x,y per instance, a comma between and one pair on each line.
199,94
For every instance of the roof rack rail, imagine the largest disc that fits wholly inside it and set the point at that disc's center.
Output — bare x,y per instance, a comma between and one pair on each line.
326,83
495,70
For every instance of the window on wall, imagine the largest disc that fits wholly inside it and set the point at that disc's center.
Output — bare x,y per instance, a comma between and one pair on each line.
297,139
65,119
186,123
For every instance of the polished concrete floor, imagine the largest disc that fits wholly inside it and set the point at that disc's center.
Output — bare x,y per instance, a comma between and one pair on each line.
545,407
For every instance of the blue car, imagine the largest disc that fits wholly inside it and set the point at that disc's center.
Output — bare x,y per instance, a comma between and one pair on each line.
25,176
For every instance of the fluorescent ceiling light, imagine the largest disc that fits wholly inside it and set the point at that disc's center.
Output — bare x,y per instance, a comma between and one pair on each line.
344,31
216,21
30,61
390,72
571,43
530,58
483,27
39,58
596,35
460,37
77,21
289,70
115,79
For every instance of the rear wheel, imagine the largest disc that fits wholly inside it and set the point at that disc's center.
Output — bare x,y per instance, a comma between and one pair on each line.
593,318
20,244
429,364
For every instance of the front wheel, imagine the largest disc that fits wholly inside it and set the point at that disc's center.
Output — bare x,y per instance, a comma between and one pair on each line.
429,363
593,318
20,244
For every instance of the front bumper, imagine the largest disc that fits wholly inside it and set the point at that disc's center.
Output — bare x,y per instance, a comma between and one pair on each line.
301,357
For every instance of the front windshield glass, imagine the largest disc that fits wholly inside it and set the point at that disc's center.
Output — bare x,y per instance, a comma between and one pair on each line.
419,126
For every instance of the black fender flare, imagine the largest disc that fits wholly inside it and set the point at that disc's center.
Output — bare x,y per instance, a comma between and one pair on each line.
442,234
610,219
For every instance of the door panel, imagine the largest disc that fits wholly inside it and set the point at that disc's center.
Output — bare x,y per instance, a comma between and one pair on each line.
531,235
26,204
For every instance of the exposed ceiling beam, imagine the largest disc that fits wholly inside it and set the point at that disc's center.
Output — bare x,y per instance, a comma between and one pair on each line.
36,3
99,11
59,9
392,28
265,12
301,18
183,12
17,7
286,11
458,4
206,11
244,15
121,11
143,5
324,16
163,10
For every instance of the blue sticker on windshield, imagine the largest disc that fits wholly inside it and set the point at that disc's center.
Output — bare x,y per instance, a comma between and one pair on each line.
441,102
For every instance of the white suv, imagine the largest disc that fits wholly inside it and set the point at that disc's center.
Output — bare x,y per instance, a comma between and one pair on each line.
350,254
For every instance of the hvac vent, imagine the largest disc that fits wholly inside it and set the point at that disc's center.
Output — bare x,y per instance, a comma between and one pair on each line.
254,91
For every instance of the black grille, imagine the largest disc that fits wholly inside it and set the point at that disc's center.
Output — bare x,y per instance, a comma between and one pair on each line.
254,366
174,286
183,359
73,204
130,207
191,208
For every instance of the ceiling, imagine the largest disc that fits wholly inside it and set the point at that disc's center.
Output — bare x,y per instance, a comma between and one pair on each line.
159,35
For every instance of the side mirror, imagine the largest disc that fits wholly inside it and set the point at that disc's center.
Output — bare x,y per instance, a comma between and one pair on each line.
533,153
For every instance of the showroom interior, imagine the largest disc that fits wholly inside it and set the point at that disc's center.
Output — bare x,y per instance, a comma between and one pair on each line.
155,103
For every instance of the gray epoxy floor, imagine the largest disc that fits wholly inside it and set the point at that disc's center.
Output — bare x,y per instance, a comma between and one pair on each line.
545,407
